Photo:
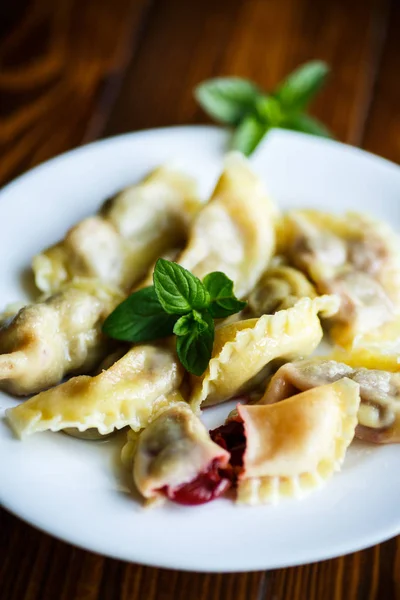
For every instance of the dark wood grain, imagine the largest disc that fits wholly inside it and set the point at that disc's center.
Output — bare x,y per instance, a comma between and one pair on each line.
74,70
189,42
382,131
37,567
60,65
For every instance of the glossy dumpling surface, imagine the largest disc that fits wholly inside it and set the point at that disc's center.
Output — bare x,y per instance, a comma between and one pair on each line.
353,256
173,451
293,446
45,341
119,245
280,287
126,393
235,231
371,358
242,349
379,412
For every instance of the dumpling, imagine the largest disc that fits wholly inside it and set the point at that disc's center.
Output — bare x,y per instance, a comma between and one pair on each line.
353,256
235,231
119,245
43,342
280,287
129,448
175,458
379,412
126,393
371,358
292,447
242,350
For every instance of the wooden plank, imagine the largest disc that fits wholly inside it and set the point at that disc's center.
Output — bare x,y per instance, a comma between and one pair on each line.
382,134
187,42
37,567
60,66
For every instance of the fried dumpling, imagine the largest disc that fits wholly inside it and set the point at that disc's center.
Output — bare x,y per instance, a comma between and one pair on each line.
126,393
353,256
280,287
292,447
45,341
175,458
235,231
242,350
379,412
118,245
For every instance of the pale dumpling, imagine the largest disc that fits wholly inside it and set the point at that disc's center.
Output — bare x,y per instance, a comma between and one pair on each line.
280,287
292,447
126,393
243,349
118,245
379,412
45,341
176,458
353,256
235,231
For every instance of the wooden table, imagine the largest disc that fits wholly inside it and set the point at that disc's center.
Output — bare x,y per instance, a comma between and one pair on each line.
74,70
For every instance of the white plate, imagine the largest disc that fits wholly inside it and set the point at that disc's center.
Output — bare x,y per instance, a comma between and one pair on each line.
74,489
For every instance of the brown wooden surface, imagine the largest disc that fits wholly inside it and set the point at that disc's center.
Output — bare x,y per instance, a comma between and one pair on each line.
74,70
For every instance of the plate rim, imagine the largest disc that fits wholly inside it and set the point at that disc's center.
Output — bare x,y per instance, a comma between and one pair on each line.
354,150
362,541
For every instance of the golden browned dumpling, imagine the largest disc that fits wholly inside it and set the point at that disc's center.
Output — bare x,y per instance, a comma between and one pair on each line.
291,447
119,245
379,412
43,342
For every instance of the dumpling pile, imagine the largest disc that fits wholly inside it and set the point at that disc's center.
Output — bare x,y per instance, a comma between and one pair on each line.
304,274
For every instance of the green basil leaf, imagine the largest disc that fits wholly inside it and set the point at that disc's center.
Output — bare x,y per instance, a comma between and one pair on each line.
195,349
178,291
306,124
139,318
194,320
301,86
248,135
223,299
184,325
269,110
227,99
202,320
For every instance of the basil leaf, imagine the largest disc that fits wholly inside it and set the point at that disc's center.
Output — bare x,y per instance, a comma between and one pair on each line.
178,291
227,99
299,88
184,325
139,318
223,299
269,110
306,124
248,135
195,349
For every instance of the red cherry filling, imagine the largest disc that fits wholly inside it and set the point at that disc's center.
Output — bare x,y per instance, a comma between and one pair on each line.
205,487
231,437
216,480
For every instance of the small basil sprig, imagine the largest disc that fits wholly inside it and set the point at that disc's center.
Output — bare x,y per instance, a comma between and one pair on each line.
241,104
178,303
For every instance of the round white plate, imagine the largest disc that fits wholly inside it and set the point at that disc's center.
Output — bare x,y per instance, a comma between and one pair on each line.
75,490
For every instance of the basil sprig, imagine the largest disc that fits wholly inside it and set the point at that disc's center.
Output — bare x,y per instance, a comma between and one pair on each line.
252,112
178,303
